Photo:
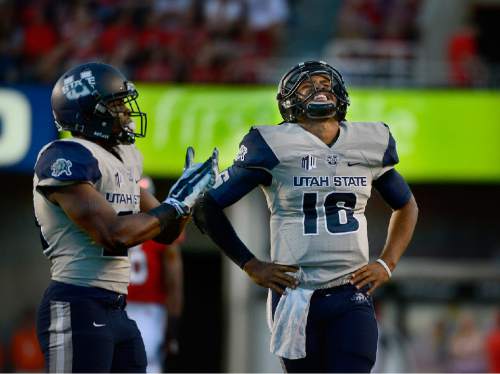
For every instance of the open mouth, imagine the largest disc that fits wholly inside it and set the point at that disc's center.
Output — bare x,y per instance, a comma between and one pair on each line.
129,126
321,98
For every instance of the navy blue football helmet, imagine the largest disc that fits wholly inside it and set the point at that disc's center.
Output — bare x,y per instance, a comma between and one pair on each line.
291,106
83,102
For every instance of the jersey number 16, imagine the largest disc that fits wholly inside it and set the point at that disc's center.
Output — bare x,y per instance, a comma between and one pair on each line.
339,213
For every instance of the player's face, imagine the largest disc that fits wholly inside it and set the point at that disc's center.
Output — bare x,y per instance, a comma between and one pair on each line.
121,111
317,89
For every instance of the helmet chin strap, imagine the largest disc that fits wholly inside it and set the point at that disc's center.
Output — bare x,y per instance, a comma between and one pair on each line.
316,110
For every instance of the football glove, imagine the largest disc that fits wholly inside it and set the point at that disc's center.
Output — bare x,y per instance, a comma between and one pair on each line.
194,182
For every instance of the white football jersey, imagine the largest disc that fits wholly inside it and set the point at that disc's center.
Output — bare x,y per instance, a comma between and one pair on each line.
75,257
318,193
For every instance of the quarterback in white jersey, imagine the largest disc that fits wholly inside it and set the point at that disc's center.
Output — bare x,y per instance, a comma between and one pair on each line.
317,171
90,210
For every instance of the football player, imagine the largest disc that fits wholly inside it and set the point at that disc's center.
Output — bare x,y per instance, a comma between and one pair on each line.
317,171
90,210
155,294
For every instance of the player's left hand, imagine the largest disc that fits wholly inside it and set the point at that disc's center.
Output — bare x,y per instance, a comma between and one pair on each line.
373,274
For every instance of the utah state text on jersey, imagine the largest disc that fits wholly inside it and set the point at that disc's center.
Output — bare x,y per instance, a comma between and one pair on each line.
327,181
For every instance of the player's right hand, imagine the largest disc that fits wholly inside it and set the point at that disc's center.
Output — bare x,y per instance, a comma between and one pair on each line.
194,181
273,276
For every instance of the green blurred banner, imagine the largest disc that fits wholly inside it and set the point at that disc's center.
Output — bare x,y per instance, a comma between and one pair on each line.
442,136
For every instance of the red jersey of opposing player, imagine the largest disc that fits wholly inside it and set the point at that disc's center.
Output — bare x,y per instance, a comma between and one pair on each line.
147,281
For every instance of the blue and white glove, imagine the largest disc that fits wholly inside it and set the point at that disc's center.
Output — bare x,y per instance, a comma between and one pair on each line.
194,182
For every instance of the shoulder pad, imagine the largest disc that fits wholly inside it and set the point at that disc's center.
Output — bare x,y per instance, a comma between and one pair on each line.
378,134
255,152
66,161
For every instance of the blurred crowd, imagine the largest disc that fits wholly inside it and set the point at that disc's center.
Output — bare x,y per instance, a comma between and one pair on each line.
453,340
150,40
388,20
405,42
374,40
236,41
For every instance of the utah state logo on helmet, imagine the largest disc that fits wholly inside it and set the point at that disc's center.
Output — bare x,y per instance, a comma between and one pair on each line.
80,104
291,106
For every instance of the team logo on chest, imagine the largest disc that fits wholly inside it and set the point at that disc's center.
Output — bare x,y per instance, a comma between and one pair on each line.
308,162
61,166
332,160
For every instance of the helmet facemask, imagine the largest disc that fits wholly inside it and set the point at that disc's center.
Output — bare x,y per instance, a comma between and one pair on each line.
109,122
122,114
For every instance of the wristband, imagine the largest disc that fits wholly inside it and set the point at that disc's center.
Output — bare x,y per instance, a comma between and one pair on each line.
165,213
382,262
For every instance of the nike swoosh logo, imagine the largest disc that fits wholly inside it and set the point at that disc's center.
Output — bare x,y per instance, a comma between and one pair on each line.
98,324
353,163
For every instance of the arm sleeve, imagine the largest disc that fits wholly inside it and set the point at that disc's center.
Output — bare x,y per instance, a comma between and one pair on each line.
64,163
210,219
252,167
393,189
235,182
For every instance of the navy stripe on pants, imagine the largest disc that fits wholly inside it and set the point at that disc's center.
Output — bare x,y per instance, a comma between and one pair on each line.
341,332
86,329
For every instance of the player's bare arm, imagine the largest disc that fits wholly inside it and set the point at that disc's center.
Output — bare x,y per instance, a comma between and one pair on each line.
86,207
148,200
400,231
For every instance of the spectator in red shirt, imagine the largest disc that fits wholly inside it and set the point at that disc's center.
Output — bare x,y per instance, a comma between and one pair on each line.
466,66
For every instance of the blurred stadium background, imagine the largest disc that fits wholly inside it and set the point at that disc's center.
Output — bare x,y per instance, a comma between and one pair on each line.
207,70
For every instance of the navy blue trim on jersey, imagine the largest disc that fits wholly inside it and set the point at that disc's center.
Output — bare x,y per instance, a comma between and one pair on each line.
210,219
255,152
67,161
393,188
390,154
237,182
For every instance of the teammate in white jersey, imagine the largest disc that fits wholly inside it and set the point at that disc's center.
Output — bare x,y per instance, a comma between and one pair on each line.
317,171
90,210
